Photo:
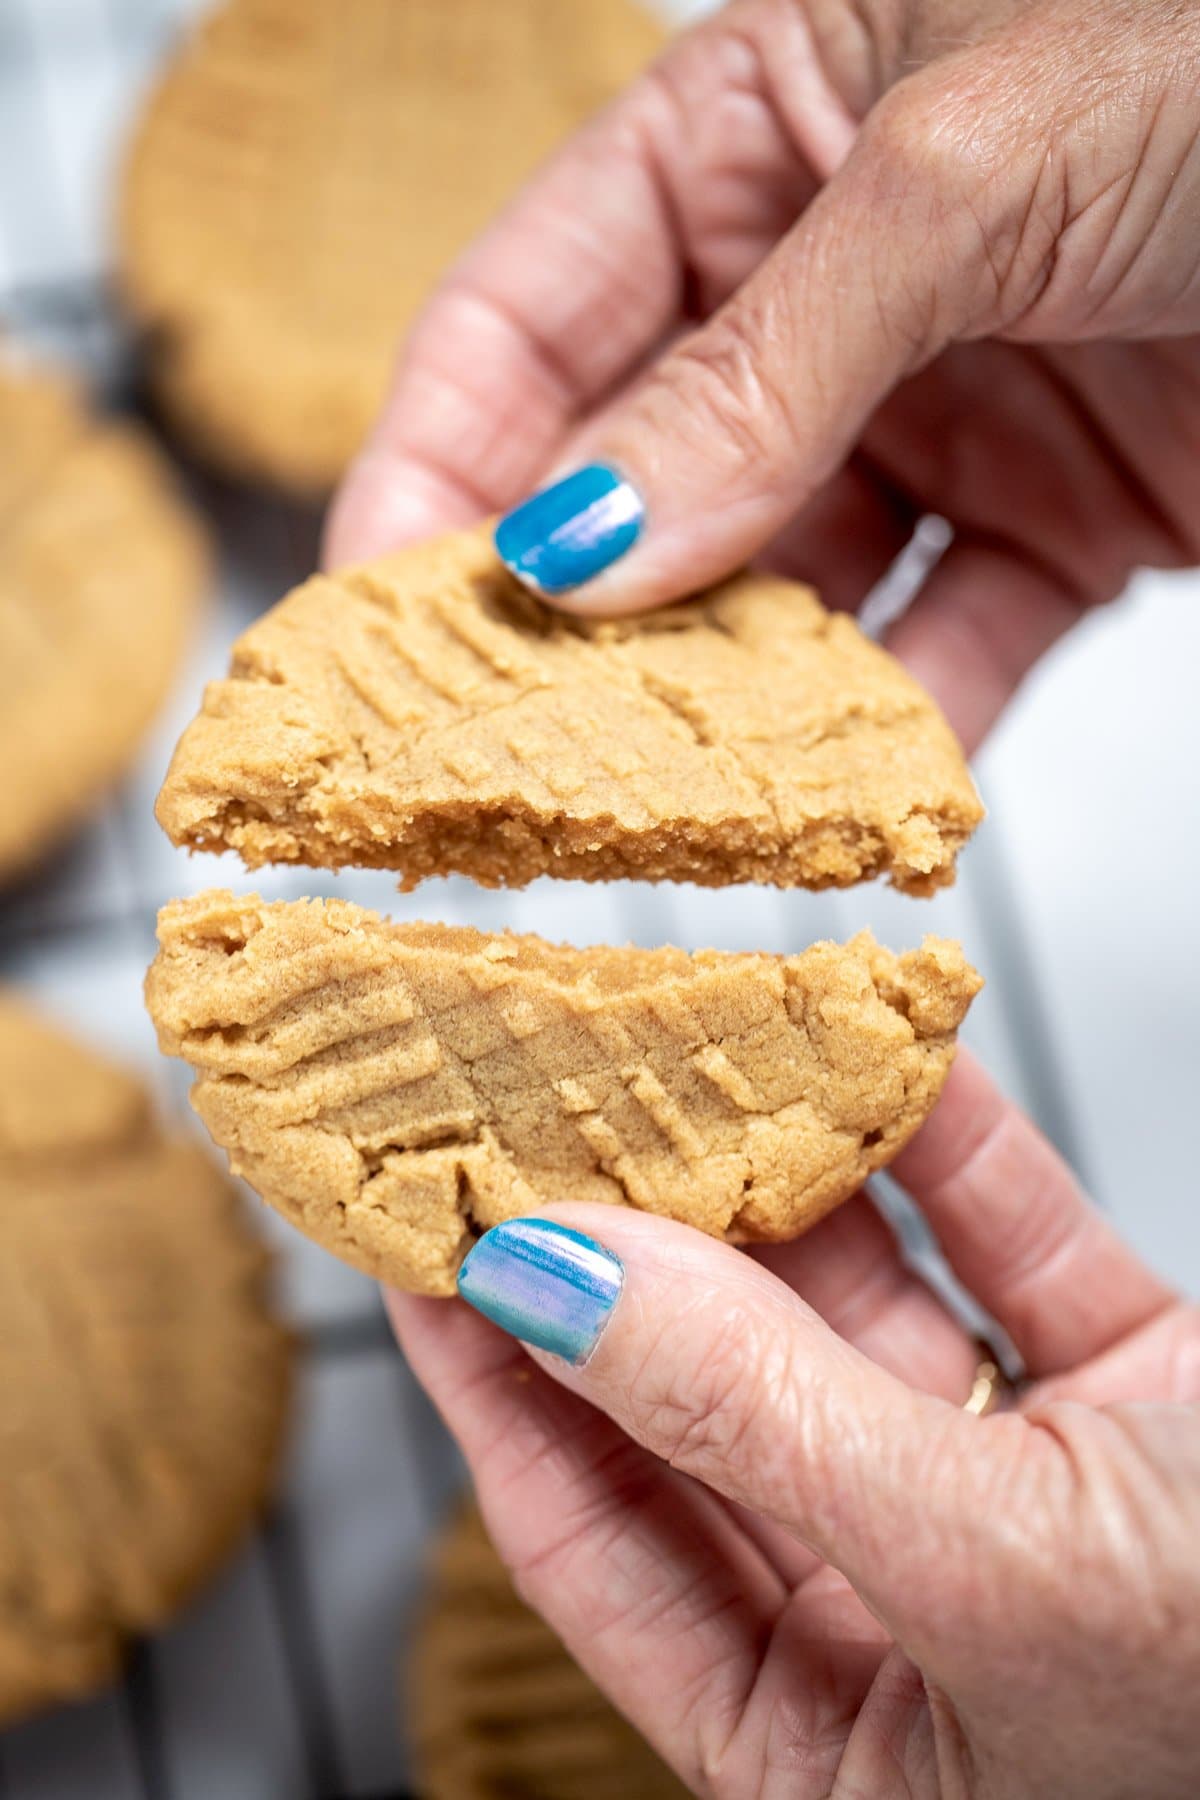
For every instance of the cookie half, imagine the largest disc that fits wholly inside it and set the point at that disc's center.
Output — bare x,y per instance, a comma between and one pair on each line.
396,1089
303,175
498,1708
143,1378
101,569
424,714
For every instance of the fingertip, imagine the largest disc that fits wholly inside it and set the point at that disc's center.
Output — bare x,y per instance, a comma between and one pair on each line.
415,1312
663,1258
544,1283
350,532
561,538
386,502
615,596
420,1323
631,1233
678,548
944,661
970,1105
450,1349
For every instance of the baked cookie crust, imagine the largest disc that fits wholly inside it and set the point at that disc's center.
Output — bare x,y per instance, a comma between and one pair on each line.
303,175
102,565
424,714
395,1089
143,1379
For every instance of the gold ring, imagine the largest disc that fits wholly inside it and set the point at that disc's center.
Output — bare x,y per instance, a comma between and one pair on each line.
991,1389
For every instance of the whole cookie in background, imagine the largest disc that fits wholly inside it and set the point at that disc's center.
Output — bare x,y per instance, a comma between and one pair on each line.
102,565
498,1708
304,174
143,1380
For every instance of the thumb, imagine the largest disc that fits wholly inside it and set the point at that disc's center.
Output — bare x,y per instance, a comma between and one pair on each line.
728,436
708,1360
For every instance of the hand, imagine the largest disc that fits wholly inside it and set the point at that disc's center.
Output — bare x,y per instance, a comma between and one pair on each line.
766,1528
941,257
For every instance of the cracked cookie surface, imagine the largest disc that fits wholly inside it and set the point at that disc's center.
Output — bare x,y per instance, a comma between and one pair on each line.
143,1379
424,714
304,174
395,1089
101,569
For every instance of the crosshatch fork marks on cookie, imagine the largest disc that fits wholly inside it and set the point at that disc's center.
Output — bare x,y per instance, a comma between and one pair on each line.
393,1089
423,714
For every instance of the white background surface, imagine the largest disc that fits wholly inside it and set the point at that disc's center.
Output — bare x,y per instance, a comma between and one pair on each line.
1078,902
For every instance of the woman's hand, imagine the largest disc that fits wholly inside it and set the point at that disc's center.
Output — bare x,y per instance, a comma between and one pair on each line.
830,265
943,257
759,1518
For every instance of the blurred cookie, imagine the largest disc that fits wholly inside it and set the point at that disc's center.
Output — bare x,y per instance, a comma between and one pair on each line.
101,569
143,1380
303,175
394,1090
497,1708
422,713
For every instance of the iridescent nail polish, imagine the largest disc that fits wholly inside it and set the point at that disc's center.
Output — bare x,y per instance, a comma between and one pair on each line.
544,1283
568,533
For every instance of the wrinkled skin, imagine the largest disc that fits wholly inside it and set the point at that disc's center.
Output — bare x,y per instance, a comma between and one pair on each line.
828,266
757,1521
946,259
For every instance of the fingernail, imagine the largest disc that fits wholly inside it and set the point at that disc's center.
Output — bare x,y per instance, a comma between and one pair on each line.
546,1284
568,533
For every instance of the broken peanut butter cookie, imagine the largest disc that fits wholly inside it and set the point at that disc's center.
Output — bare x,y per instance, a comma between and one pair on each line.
424,714
396,1089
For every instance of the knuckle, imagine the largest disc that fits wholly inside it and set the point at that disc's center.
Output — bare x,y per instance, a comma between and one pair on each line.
948,156
723,390
700,1416
1007,1581
921,135
1131,1588
1183,1355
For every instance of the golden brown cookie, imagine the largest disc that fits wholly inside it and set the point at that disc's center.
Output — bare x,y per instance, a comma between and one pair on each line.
424,714
143,1381
305,173
101,568
396,1089
498,1709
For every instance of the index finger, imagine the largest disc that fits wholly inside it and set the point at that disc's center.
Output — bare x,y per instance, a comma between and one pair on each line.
574,282
579,280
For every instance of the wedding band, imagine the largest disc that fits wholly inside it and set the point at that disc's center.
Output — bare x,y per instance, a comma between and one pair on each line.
990,1389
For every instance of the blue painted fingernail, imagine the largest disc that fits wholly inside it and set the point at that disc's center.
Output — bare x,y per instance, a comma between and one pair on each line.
546,1284
569,532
